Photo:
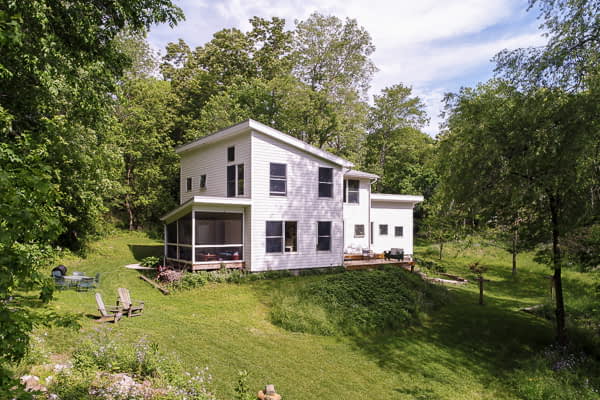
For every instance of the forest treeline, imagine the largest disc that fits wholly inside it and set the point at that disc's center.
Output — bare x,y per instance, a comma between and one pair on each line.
90,117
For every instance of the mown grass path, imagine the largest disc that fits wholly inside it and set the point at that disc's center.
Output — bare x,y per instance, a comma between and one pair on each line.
462,351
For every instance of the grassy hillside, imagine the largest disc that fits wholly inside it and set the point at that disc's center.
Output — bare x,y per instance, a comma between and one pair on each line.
459,350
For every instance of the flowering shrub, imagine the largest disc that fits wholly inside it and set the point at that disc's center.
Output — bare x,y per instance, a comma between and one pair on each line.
168,276
106,366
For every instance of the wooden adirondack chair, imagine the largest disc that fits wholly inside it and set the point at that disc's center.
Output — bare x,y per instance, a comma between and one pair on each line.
113,314
132,310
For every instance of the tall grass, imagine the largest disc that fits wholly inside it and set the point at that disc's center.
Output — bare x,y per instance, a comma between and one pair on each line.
356,302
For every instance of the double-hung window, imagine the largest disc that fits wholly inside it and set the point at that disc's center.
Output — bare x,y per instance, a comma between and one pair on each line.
188,185
398,231
325,182
203,181
352,189
278,179
359,230
282,236
231,181
324,235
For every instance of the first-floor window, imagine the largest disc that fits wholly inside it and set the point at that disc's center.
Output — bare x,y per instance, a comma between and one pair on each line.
324,235
282,236
359,230
399,231
383,229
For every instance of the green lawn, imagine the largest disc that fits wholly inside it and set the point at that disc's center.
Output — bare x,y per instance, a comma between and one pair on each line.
461,351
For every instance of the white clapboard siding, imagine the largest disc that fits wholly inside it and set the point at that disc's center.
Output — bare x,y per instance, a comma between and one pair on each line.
357,214
212,161
392,214
302,204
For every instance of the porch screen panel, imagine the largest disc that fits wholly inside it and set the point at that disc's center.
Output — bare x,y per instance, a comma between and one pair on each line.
172,232
185,229
218,228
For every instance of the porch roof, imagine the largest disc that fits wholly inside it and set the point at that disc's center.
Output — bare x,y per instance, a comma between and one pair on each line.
396,198
205,200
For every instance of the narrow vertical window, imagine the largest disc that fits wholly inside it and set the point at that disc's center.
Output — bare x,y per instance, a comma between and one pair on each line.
231,153
345,184
383,229
291,236
188,184
231,181
325,182
202,181
324,235
278,179
274,236
399,231
240,179
371,232
353,186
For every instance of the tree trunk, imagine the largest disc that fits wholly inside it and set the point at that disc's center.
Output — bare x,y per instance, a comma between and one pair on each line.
127,203
561,331
514,252
441,249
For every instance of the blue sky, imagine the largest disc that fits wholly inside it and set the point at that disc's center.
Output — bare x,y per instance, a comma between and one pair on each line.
434,46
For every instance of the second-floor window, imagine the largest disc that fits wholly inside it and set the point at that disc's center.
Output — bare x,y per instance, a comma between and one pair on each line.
277,179
240,179
231,154
325,182
235,180
351,187
188,185
202,181
231,181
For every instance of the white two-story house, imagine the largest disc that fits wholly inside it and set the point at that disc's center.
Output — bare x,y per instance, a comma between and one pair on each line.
257,198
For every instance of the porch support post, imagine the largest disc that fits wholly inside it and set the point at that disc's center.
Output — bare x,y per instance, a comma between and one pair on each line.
193,236
164,244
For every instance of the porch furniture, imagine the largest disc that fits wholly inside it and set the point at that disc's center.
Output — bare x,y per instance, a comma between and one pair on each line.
78,273
124,301
396,254
59,279
368,254
85,284
113,314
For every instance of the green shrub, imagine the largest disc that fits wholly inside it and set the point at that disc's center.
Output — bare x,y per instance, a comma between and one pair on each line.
151,262
356,302
430,265
189,280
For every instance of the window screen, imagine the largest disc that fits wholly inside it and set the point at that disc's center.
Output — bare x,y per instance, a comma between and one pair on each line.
353,186
324,235
325,182
278,179
231,181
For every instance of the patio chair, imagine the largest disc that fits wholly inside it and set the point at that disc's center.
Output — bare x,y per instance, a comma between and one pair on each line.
396,254
132,310
59,281
112,315
85,284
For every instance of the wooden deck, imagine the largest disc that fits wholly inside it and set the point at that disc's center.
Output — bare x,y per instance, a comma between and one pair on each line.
210,266
374,263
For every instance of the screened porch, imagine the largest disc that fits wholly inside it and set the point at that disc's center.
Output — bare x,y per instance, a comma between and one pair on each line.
206,238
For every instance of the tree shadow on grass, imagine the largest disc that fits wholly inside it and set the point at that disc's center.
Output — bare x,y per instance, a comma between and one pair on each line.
462,337
142,251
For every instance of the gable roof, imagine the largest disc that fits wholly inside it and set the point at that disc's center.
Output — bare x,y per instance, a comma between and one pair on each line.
250,125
